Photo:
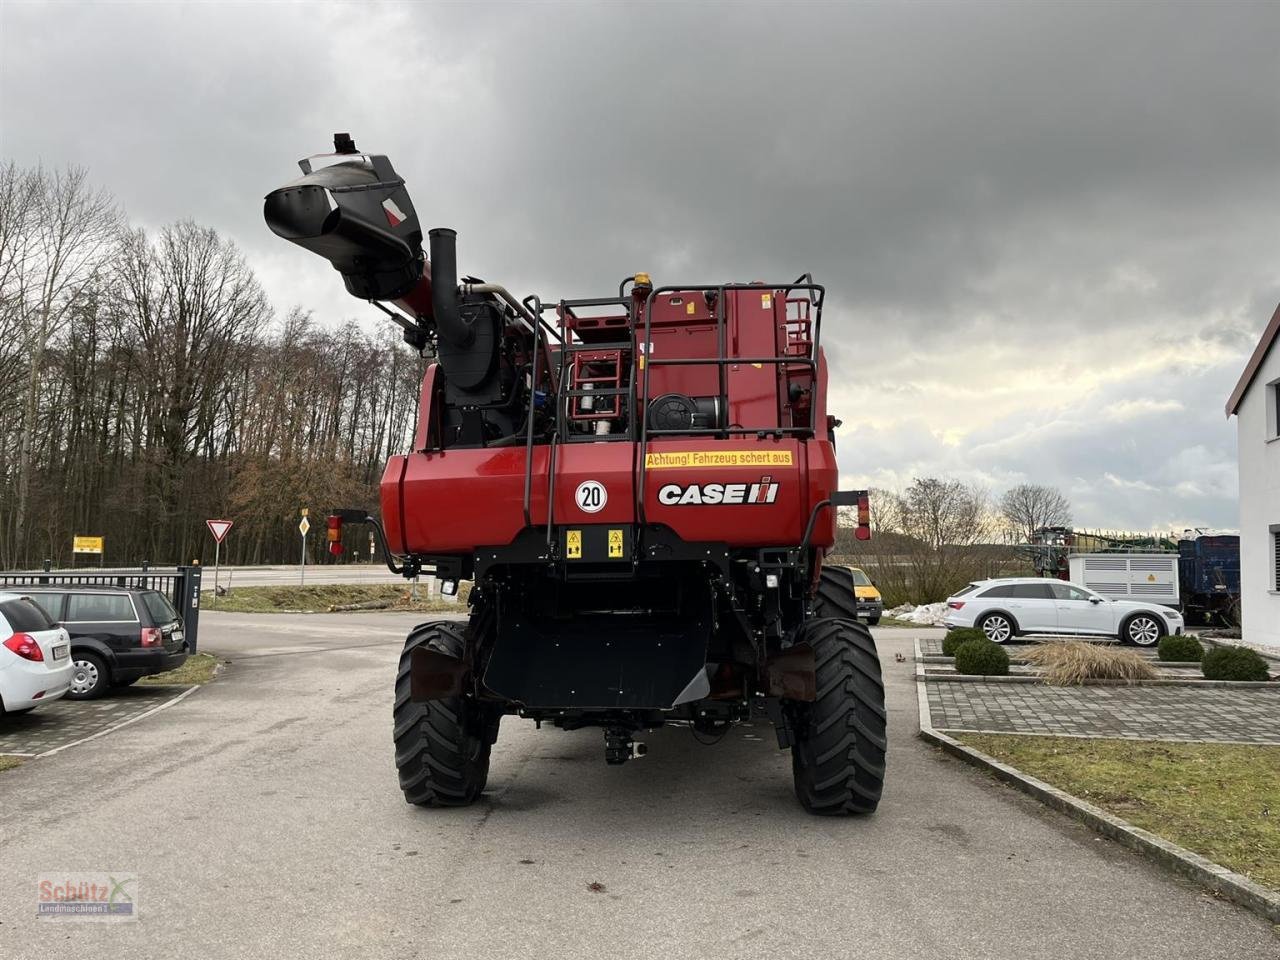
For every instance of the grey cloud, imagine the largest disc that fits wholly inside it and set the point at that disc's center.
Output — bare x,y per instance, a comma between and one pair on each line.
1010,173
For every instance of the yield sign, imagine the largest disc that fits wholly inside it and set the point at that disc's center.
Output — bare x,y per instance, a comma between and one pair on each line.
219,529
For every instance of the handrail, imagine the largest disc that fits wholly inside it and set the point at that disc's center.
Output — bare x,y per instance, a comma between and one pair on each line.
533,406
817,294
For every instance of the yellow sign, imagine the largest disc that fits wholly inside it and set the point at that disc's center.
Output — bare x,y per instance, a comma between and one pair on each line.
615,543
87,544
573,544
672,459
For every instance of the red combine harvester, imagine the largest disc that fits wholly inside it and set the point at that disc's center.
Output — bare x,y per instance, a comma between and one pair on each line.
642,488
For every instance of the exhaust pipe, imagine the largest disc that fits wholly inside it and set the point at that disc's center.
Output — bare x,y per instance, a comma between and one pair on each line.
444,288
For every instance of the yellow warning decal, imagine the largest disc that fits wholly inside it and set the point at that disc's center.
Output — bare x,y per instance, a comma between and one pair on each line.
573,544
673,459
689,308
615,543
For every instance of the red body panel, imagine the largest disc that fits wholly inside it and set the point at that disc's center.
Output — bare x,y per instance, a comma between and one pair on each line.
750,492
458,500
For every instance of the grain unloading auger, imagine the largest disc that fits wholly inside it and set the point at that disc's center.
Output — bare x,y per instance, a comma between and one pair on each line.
642,488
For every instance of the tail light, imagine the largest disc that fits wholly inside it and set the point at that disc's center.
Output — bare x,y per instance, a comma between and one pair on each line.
334,535
152,637
864,517
955,604
25,646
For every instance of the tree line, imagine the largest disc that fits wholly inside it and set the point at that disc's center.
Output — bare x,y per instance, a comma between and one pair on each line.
146,385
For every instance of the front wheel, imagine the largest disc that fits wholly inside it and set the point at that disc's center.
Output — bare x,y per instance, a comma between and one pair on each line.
442,746
838,757
1142,630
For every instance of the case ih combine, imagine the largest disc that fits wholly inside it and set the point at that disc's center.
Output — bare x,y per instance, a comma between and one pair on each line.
641,486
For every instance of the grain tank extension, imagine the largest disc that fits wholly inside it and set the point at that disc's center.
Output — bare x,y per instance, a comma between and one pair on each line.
642,486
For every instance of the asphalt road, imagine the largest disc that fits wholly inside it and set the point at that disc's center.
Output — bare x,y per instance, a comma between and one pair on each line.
262,817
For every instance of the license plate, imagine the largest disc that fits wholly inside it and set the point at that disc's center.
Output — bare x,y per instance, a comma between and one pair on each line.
60,653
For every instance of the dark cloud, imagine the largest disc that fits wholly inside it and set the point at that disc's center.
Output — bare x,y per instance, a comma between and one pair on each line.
1015,207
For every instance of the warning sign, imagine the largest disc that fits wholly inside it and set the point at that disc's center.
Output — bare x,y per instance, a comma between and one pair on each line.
674,459
615,544
573,544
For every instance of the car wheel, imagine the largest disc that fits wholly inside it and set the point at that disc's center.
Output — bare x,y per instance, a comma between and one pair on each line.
89,678
997,627
873,620
1142,630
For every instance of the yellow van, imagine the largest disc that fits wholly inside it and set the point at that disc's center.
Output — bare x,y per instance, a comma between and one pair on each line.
870,603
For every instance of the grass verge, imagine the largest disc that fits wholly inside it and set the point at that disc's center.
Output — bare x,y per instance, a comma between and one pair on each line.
319,598
1220,800
8,763
198,668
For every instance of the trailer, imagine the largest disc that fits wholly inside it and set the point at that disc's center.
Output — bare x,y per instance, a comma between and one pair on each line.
1209,575
1152,577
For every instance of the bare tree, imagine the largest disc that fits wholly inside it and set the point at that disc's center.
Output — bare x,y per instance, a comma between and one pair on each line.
931,539
1028,507
71,232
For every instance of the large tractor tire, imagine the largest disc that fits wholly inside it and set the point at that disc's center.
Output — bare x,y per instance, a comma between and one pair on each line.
442,746
836,596
838,756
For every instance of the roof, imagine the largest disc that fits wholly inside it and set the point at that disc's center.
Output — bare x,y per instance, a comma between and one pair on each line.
1255,362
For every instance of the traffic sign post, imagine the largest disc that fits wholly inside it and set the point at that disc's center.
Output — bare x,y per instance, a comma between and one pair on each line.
219,530
303,526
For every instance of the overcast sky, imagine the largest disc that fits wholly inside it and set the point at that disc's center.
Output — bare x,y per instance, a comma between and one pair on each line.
1050,234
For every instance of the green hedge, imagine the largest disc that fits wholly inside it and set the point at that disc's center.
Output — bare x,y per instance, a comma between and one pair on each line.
1233,663
1181,648
982,658
957,636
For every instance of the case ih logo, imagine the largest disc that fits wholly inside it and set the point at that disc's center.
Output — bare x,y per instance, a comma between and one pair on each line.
675,495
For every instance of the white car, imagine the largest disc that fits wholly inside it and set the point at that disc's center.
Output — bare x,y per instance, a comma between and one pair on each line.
35,656
1006,608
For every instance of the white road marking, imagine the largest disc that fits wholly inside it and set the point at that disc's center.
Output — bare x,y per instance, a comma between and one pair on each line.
123,723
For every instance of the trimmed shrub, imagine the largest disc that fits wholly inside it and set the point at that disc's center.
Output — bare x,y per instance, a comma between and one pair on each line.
1071,662
982,658
1233,663
957,636
1182,648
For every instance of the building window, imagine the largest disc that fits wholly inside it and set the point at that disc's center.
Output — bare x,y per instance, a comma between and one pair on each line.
1273,410
1275,567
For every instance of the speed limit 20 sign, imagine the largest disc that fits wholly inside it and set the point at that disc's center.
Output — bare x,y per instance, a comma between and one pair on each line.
591,496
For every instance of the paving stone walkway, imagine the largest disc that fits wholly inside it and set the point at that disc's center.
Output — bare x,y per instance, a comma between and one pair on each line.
1141,713
64,721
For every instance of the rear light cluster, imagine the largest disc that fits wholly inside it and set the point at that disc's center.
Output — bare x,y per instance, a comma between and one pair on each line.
334,535
863,530
955,604
152,637
25,646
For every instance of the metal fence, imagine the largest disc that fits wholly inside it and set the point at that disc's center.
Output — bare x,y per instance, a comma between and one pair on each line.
180,584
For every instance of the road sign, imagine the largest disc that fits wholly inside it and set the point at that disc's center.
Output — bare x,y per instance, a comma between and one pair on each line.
303,526
87,544
219,529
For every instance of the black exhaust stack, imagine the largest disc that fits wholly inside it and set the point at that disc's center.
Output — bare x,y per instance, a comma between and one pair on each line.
444,288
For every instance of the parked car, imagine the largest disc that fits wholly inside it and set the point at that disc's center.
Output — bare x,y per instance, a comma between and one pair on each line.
867,595
118,634
1006,608
35,656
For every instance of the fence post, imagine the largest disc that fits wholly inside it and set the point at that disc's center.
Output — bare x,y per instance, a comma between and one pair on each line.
191,604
